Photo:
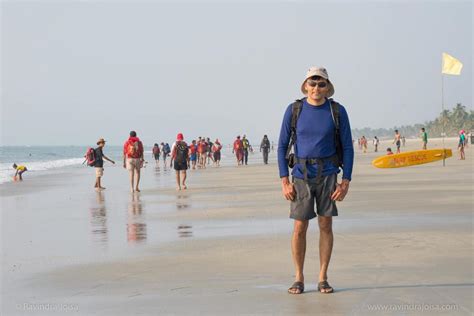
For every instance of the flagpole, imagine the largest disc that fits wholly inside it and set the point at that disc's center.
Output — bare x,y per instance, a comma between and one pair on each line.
449,66
443,116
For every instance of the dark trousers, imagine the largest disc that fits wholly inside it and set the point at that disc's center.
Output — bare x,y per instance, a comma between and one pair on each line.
265,156
246,156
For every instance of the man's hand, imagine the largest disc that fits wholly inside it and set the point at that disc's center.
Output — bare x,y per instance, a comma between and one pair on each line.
341,191
288,189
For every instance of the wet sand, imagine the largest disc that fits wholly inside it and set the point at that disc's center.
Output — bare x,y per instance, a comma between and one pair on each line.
403,243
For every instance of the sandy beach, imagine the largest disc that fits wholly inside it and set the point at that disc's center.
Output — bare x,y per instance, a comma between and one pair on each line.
403,243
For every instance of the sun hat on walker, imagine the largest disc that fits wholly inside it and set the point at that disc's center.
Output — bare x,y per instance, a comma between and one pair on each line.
321,72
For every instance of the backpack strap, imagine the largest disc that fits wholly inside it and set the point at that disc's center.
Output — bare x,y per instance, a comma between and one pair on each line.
295,113
335,111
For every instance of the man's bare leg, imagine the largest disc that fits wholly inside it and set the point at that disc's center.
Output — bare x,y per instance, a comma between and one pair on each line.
326,240
178,181
99,184
132,177
138,180
183,173
298,249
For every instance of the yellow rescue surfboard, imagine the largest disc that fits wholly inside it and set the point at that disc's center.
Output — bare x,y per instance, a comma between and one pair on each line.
411,158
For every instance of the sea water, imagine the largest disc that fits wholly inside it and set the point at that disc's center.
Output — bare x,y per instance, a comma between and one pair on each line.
40,160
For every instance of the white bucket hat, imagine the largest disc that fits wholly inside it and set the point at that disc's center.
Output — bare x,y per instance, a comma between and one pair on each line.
321,72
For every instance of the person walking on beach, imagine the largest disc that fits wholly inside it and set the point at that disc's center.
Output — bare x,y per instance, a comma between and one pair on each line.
461,145
216,151
156,154
163,154
363,142
210,155
376,143
198,154
99,163
463,132
193,154
247,147
265,148
180,157
167,149
19,171
315,140
238,149
133,160
404,140
424,137
397,140
202,151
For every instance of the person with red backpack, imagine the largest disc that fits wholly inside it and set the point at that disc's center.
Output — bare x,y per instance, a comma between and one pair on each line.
202,149
238,150
216,151
193,153
156,154
133,159
180,157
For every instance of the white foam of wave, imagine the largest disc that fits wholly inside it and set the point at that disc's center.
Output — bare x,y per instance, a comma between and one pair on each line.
7,172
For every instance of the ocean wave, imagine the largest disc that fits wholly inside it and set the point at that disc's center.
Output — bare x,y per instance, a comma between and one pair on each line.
7,172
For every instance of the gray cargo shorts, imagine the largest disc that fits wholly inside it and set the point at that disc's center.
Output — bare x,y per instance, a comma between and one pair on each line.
314,192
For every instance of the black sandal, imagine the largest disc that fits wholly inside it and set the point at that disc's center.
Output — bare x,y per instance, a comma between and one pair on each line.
299,286
323,285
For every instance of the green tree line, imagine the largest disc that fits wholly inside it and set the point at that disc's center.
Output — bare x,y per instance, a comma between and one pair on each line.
452,120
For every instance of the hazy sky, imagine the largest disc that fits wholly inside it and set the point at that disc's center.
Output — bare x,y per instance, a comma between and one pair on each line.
76,71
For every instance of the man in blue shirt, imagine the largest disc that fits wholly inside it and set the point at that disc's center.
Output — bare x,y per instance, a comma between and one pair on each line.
315,171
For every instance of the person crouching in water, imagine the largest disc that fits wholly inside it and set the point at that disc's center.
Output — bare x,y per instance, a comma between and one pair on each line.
19,171
180,157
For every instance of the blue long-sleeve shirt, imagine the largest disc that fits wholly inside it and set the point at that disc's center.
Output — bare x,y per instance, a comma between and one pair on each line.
315,131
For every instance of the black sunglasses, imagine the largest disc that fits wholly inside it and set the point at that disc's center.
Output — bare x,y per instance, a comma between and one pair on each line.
320,84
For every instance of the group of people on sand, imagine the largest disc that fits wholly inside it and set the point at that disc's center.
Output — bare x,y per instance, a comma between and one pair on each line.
182,157
201,153
242,147
163,150
399,140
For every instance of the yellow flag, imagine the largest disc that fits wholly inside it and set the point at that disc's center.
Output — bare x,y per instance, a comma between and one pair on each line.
451,66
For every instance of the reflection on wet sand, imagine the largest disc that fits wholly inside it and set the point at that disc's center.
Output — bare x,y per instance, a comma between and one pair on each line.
182,201
98,214
136,227
157,169
185,231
